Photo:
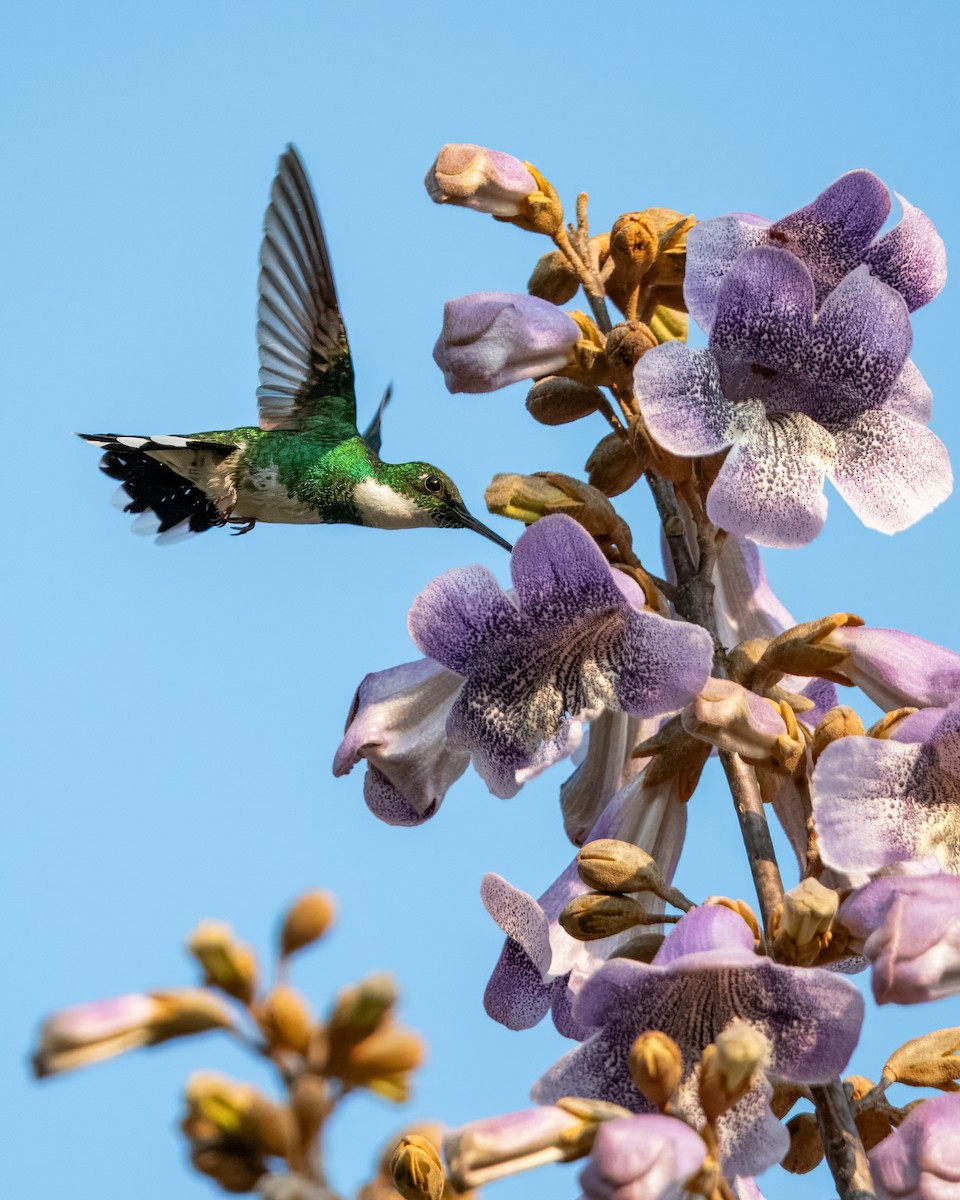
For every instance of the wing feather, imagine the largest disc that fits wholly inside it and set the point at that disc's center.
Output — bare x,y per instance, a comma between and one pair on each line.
305,370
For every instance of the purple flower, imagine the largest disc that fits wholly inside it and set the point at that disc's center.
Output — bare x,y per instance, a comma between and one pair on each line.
607,766
397,723
831,237
474,177
493,1147
921,1159
491,339
879,802
797,396
570,645
642,1158
909,929
705,976
541,966
898,670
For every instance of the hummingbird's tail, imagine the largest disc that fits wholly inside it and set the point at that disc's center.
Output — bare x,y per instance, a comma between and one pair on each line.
167,503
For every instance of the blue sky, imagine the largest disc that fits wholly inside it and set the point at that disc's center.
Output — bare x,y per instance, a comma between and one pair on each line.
173,713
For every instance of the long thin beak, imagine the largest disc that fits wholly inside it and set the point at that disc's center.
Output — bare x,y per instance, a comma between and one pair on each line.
471,522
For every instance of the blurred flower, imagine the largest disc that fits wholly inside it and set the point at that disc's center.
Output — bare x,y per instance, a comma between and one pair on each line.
486,180
921,1159
397,722
87,1033
705,976
491,339
831,237
908,928
306,920
227,963
797,396
574,642
497,1146
879,802
642,1158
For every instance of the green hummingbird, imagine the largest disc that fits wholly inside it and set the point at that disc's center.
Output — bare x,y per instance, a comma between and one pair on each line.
305,462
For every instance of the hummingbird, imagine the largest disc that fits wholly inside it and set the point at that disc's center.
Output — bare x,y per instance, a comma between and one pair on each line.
305,462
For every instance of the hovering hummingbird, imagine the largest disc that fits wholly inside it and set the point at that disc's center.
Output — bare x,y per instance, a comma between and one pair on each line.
305,463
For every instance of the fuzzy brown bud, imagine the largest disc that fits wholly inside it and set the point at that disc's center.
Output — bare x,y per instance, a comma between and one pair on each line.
655,1067
593,916
554,279
307,920
626,344
839,722
416,1169
802,926
729,1067
557,400
609,865
285,1019
806,1148
360,1010
226,962
613,466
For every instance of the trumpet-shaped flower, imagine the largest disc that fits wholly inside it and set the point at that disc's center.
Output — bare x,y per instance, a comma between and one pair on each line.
490,339
705,976
574,642
898,670
921,1159
474,177
797,395
879,802
397,723
831,237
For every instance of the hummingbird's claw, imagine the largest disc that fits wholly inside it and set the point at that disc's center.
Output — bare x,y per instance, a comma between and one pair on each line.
239,528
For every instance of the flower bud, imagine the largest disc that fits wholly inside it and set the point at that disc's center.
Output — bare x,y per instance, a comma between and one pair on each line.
592,916
839,722
802,926
527,498
614,466
608,865
307,919
416,1169
806,1148
235,1171
87,1033
554,279
656,1066
236,1112
557,400
386,1052
731,718
492,339
361,1009
285,1019
626,344
498,1146
227,963
729,1067
488,181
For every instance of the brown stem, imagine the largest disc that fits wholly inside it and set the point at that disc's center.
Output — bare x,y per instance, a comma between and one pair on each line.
756,834
592,287
841,1143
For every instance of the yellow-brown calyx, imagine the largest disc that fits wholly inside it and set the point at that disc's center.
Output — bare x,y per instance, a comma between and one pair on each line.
647,251
656,1066
614,465
806,1148
676,755
557,400
554,279
839,722
802,926
285,1019
928,1061
595,915
729,1067
803,650
227,963
416,1169
889,723
306,921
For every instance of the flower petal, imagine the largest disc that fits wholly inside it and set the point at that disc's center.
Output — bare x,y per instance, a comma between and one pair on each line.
516,995
899,670
559,572
457,614
520,917
658,665
910,396
921,1159
831,233
679,393
911,257
389,804
770,488
764,310
890,470
712,247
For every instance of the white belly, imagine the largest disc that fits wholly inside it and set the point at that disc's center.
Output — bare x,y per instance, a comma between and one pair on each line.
262,497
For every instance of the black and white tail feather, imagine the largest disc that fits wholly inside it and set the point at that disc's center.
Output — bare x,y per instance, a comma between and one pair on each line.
167,504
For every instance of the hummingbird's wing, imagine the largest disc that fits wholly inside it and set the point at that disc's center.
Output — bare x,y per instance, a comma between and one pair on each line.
371,435
305,370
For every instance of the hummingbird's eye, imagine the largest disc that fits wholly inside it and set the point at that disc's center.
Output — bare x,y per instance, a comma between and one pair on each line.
432,484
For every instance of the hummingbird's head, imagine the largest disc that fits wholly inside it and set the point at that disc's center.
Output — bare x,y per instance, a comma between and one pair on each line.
437,497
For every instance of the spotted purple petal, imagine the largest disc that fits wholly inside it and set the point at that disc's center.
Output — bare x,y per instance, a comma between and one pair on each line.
712,247
911,257
682,401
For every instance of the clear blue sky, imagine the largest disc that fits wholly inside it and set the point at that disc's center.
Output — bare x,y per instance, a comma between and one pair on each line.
173,713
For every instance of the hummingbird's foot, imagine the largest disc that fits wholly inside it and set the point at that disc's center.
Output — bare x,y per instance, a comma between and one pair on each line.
244,528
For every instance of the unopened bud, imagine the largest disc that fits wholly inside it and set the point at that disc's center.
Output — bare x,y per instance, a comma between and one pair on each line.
495,1147
285,1019
806,1148
656,1066
839,722
610,865
416,1169
386,1052
307,920
557,400
359,1010
475,177
237,1112
802,926
227,963
729,1067
731,718
527,498
594,916
235,1171
626,344
554,279
613,466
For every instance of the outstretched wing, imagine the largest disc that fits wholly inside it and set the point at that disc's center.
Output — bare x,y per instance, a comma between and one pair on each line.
371,435
305,367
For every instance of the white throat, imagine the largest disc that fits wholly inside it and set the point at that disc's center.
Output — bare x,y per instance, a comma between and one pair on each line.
383,508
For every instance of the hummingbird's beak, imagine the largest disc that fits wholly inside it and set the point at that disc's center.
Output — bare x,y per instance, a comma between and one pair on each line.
471,522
